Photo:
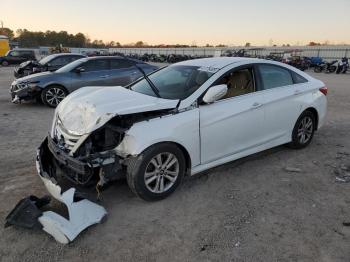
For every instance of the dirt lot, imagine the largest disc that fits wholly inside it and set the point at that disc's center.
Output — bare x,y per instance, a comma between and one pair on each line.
248,210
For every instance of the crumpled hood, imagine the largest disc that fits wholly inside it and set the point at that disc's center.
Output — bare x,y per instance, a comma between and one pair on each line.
35,77
89,108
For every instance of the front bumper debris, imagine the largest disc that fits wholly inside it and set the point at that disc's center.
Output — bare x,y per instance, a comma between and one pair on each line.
82,170
82,213
18,93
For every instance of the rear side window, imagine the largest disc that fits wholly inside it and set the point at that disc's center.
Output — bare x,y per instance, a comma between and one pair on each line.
298,79
121,63
73,58
275,76
26,53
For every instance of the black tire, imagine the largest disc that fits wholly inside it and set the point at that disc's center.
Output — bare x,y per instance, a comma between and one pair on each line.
302,134
53,95
317,69
4,63
137,167
332,69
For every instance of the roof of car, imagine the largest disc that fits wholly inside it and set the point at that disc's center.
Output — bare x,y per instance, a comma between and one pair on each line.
22,49
66,54
216,62
104,57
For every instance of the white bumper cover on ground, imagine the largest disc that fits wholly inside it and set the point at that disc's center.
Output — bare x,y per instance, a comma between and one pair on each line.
82,213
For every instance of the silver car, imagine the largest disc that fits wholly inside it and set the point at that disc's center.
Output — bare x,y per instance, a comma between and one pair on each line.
52,87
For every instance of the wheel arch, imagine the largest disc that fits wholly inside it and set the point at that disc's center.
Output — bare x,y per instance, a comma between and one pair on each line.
315,113
54,84
183,150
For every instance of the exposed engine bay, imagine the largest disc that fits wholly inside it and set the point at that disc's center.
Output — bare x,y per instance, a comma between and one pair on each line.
95,160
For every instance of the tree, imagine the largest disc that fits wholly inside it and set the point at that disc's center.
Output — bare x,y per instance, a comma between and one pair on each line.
7,31
139,44
313,44
247,44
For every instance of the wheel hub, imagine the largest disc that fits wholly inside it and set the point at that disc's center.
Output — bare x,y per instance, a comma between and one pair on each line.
161,172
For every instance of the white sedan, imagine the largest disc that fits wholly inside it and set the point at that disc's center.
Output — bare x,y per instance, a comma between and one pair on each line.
181,120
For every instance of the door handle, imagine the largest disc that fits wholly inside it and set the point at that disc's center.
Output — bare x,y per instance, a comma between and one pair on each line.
297,92
105,76
256,105
134,73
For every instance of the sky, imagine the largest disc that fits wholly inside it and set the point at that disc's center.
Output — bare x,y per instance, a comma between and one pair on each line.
230,22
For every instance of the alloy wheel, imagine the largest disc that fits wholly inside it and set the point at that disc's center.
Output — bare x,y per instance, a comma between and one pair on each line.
54,96
161,172
305,130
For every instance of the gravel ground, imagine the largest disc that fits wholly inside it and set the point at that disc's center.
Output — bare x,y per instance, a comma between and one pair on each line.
253,209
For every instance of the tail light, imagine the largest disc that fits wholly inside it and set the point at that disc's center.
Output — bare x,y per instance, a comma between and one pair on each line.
324,90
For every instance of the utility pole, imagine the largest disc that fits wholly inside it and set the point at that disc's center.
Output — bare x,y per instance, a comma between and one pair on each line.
2,24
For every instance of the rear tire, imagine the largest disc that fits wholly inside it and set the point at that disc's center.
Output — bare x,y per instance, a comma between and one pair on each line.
157,172
303,130
53,95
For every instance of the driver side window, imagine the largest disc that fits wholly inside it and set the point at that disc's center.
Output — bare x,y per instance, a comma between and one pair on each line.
239,82
14,54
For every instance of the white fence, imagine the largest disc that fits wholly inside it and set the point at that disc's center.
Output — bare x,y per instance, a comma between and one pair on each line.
326,52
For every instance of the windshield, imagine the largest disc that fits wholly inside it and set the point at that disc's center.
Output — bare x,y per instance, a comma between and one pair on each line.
174,82
69,67
45,60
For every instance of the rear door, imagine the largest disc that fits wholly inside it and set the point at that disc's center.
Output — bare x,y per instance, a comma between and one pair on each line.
96,73
122,72
282,106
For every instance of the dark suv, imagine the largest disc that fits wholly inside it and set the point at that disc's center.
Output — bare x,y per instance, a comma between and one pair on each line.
48,63
17,56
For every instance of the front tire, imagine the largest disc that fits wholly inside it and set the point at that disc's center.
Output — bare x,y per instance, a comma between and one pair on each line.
4,63
157,172
53,95
303,130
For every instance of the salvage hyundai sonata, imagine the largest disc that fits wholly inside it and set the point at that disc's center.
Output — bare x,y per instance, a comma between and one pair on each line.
180,120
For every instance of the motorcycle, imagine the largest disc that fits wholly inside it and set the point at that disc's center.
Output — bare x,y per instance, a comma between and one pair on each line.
327,67
343,66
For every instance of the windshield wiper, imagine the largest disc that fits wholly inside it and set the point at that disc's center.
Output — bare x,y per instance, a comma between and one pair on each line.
154,88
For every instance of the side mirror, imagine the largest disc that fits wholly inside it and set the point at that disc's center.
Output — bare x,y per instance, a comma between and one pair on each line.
79,70
214,93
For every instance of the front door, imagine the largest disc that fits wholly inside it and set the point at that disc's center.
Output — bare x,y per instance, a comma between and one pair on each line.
96,73
234,123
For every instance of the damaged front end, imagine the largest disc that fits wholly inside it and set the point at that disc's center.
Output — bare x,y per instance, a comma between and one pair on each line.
92,159
82,147
82,213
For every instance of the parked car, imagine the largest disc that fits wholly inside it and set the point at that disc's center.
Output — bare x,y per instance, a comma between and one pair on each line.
52,87
181,120
17,56
48,63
